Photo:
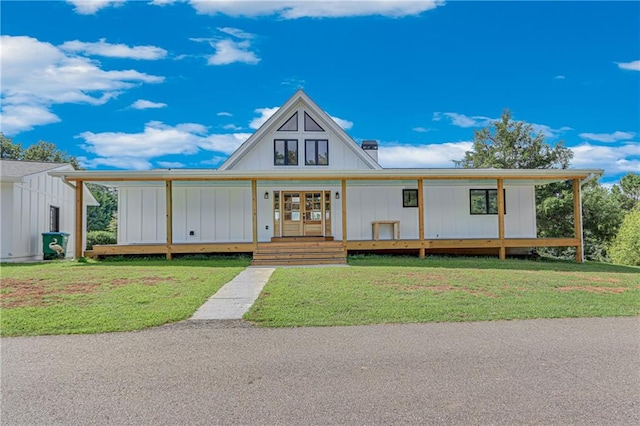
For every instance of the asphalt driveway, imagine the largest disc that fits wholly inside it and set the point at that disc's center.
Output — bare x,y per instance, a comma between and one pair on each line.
569,371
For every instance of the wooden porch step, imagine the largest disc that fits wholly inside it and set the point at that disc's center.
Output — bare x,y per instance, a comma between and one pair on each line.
300,253
298,262
299,239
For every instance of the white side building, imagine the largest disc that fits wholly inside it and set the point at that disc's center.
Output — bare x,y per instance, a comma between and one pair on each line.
33,202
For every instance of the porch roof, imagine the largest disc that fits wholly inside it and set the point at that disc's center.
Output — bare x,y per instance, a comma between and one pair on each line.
510,176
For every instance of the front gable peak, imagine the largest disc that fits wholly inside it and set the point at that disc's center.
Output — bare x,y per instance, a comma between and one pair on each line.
302,132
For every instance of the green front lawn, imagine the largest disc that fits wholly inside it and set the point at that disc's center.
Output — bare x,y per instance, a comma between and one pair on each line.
378,289
72,297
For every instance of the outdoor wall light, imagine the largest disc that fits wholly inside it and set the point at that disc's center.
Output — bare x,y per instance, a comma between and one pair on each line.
337,195
266,195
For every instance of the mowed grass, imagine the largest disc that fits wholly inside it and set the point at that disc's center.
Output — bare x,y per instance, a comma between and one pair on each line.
72,297
380,289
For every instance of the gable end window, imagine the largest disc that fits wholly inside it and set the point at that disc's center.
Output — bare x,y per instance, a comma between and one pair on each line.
485,201
285,152
291,125
310,124
316,152
54,219
409,198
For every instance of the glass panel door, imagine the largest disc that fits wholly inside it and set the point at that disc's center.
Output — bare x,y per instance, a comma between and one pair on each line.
291,223
313,214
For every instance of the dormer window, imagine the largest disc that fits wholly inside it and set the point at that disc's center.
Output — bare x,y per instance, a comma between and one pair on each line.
310,124
291,125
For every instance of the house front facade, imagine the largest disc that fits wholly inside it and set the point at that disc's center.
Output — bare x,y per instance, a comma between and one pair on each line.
300,178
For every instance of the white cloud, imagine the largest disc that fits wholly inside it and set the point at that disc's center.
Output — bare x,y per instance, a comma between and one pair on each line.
136,150
216,160
90,7
608,137
549,132
156,140
265,114
613,159
560,77
461,120
420,129
429,156
230,50
37,75
102,48
633,65
315,9
224,114
17,118
145,104
170,164
345,124
130,163
236,32
162,2
224,143
232,127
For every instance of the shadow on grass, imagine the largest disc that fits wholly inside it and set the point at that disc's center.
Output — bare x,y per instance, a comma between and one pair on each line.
459,262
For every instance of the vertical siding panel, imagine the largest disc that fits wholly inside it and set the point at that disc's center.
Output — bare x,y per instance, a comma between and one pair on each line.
207,226
180,206
223,211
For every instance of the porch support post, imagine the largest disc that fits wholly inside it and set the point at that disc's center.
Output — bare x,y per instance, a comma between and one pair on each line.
344,212
169,217
254,211
79,249
503,250
577,220
421,215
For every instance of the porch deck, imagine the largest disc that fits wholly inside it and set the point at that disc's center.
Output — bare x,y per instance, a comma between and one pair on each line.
318,252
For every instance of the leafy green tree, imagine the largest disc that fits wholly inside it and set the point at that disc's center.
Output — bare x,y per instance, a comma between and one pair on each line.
10,150
41,151
625,249
509,144
601,218
628,191
99,217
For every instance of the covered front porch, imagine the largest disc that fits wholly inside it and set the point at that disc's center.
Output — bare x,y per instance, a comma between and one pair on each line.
338,187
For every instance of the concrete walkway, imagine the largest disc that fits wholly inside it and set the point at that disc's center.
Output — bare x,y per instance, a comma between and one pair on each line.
235,298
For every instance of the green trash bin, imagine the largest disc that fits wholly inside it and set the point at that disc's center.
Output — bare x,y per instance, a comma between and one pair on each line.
54,245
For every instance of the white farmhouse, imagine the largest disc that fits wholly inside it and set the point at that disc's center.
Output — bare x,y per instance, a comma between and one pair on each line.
300,190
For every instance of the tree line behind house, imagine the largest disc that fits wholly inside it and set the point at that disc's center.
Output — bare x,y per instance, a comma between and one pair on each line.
611,216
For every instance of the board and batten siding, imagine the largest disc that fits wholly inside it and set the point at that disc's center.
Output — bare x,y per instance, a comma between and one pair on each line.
447,213
223,214
213,214
25,215
141,215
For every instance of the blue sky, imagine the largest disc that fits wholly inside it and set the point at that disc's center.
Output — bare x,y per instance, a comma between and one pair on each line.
139,85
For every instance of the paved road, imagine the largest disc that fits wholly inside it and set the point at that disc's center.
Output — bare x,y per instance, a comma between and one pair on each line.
574,371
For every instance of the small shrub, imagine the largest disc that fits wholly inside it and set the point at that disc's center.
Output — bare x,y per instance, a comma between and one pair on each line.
100,238
625,249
